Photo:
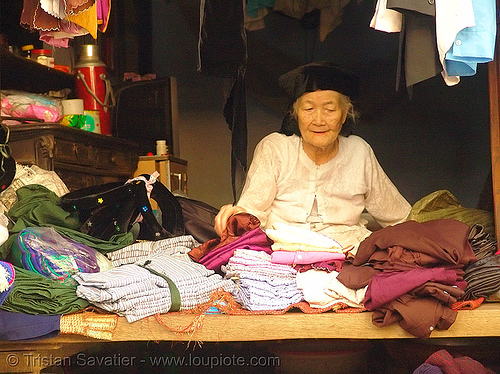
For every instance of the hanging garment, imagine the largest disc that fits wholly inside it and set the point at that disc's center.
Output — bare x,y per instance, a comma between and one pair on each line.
474,44
330,17
33,17
59,21
86,18
454,20
67,30
451,18
222,52
418,59
103,14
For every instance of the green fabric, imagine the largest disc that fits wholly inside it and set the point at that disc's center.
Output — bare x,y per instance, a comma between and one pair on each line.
33,293
443,204
175,295
37,206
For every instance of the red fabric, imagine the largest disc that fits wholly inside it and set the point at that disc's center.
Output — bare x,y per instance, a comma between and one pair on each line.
461,365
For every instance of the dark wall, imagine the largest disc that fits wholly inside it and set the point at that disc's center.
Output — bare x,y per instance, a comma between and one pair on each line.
438,139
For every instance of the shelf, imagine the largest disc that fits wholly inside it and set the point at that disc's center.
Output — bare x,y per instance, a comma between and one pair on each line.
17,73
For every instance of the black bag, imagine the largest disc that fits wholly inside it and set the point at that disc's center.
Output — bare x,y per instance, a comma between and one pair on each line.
199,218
7,162
113,208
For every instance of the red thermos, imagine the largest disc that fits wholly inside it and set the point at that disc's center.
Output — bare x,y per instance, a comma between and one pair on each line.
93,86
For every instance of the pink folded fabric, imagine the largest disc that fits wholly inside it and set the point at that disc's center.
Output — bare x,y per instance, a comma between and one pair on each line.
304,258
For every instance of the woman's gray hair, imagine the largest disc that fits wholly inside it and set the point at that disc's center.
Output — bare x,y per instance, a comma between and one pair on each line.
290,125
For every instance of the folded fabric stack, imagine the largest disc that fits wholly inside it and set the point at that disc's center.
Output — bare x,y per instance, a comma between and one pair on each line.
297,246
322,290
262,285
33,293
174,246
157,284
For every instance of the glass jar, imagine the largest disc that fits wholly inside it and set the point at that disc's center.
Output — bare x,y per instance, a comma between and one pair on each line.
43,56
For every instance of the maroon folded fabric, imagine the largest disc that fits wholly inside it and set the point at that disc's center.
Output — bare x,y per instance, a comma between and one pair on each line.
384,287
255,239
237,225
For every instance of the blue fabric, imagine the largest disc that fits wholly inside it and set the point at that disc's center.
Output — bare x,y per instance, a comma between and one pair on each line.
21,326
253,6
475,44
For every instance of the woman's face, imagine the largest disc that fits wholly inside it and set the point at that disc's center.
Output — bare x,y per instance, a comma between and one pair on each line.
320,116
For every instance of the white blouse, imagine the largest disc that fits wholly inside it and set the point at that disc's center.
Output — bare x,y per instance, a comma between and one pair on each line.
284,185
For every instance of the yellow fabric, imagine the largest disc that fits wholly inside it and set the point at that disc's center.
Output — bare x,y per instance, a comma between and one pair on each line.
86,19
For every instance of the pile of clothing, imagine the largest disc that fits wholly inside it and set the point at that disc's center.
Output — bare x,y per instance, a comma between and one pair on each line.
261,284
411,273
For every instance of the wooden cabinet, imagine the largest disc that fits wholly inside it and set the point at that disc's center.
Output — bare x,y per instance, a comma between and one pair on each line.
79,157
173,171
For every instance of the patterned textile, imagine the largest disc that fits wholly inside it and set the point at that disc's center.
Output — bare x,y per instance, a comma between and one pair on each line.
44,251
142,249
31,175
262,285
135,292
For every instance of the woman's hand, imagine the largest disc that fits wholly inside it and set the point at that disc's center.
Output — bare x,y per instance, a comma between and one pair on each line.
223,216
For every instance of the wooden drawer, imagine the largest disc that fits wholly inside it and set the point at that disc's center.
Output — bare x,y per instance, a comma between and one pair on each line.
118,160
74,179
72,152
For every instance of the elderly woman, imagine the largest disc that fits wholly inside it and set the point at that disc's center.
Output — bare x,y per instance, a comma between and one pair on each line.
314,174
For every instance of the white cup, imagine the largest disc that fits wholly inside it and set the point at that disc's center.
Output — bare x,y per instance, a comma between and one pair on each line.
72,106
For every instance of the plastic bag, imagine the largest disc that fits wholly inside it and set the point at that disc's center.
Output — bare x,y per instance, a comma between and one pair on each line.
27,105
44,251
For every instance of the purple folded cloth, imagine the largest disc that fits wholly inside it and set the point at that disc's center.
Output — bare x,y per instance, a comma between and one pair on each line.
255,239
45,251
21,326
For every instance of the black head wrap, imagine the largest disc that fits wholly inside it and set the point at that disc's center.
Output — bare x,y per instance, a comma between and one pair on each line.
316,76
